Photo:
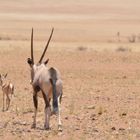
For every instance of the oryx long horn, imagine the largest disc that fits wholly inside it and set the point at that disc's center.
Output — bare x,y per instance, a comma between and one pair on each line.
32,56
46,45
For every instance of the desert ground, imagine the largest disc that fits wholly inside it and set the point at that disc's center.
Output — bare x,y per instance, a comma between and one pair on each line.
96,47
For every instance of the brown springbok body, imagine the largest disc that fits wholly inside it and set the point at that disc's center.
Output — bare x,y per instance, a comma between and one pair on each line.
7,89
46,83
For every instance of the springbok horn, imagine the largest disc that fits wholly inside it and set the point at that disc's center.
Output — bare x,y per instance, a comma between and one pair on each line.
46,45
32,56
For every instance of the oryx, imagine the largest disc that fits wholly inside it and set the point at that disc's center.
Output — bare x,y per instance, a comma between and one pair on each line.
46,83
7,89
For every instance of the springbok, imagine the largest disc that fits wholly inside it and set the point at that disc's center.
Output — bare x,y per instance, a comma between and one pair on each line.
7,89
46,83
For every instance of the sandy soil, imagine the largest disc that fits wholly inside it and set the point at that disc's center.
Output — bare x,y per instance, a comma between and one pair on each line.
100,71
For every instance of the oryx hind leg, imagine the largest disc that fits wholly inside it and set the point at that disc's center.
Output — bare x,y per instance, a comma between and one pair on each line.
35,100
47,118
59,113
47,111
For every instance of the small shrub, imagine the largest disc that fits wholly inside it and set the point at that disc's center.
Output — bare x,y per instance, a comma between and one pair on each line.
82,48
123,49
5,38
138,37
132,39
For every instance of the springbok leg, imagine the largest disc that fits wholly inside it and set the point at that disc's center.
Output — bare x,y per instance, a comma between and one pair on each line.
7,102
3,101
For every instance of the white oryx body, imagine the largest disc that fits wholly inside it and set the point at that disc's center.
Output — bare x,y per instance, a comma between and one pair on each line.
46,83
42,77
7,89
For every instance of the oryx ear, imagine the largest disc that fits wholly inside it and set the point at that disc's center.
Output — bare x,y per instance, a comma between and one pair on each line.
46,62
29,61
5,75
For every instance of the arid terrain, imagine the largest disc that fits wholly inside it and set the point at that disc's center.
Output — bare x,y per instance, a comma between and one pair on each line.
96,46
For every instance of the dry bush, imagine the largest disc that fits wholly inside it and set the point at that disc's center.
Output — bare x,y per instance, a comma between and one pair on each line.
82,48
123,49
138,37
132,38
5,38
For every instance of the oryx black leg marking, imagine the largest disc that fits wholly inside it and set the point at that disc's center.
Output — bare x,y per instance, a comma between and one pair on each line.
37,89
35,100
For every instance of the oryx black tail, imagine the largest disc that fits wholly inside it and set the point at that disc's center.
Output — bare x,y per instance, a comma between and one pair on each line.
53,80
